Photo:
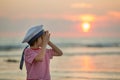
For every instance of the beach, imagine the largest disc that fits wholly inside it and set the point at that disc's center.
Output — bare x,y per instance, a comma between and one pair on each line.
77,63
87,32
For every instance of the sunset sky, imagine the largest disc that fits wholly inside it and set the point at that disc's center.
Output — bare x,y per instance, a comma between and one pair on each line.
63,18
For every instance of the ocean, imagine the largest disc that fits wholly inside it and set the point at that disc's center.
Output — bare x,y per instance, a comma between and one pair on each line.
83,59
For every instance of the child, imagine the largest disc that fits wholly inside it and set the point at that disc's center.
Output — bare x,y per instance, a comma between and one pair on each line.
37,57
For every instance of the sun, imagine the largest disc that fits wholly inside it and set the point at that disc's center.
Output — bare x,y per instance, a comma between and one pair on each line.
86,27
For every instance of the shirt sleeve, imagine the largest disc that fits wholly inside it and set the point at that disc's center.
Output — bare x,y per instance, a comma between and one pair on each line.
50,53
29,56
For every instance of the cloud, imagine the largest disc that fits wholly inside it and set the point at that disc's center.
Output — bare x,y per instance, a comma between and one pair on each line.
87,18
81,5
115,14
111,17
11,34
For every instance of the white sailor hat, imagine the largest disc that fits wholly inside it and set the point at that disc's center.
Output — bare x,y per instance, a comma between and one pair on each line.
33,33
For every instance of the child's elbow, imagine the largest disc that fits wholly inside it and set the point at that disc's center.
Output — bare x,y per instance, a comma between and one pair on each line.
38,59
61,53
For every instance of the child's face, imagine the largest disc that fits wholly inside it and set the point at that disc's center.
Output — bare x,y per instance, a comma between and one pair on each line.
39,41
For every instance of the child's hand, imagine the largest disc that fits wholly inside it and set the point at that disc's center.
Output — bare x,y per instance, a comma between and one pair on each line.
46,37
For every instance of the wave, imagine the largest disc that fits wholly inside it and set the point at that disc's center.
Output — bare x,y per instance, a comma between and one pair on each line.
92,54
100,45
89,45
92,73
67,54
10,47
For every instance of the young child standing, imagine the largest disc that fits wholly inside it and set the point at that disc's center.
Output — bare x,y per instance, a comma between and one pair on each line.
37,57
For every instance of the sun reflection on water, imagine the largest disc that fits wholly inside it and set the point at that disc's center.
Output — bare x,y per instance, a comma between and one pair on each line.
87,63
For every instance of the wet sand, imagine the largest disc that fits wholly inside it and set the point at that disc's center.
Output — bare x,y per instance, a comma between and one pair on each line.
102,67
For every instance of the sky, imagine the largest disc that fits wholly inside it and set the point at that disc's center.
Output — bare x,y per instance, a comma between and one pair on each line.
63,18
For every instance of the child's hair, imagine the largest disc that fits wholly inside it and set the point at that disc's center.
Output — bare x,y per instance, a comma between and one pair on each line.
31,44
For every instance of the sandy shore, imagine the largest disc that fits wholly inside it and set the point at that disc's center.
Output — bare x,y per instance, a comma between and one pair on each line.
101,67
10,70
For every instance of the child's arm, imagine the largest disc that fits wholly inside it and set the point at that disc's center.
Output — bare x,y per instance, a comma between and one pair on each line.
57,51
41,55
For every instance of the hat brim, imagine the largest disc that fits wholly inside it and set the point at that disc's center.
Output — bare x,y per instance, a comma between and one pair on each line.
36,36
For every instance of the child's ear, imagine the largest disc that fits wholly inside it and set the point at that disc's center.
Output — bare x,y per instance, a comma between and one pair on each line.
42,36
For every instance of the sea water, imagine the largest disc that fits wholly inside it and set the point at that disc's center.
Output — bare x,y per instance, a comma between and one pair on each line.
83,59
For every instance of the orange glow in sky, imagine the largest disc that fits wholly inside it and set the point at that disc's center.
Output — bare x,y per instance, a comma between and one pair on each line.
88,18
86,27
